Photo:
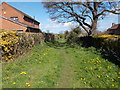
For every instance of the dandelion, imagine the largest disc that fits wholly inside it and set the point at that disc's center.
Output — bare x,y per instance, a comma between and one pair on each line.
81,78
84,82
118,77
14,83
27,83
107,76
7,77
113,80
91,68
113,85
23,73
98,76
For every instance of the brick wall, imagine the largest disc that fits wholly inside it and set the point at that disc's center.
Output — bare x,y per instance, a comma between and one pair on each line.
8,25
9,11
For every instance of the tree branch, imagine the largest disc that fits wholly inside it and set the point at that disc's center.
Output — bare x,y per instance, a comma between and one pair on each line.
114,12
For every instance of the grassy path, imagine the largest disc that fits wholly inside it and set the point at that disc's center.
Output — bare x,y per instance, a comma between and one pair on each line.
66,78
55,65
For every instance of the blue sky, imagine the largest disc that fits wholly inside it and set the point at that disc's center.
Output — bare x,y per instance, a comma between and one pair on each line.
36,9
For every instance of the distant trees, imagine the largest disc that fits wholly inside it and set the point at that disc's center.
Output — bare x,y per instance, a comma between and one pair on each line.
66,34
71,36
86,14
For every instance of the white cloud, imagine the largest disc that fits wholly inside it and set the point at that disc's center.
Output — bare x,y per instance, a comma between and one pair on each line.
107,22
56,27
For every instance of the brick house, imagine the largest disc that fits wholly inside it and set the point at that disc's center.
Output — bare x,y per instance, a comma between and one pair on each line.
14,19
114,30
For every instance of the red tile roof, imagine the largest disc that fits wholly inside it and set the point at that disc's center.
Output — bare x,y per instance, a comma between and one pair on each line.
22,13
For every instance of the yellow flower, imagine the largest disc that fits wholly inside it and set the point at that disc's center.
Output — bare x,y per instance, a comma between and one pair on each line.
113,80
113,85
84,82
98,76
26,83
107,76
23,73
80,78
118,77
7,77
118,72
14,83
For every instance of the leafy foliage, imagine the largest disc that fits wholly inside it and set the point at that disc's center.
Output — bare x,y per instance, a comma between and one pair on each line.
74,34
8,41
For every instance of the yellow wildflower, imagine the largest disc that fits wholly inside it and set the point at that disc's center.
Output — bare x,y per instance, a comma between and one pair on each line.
113,80
81,79
107,76
113,85
23,73
118,77
7,77
14,83
98,76
26,83
84,82
84,78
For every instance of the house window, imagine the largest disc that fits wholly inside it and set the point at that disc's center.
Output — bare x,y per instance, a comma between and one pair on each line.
14,18
33,24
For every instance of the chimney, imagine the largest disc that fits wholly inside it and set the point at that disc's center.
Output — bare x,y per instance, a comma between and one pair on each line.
34,17
113,24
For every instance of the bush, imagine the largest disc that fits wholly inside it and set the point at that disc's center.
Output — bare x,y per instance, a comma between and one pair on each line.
8,41
73,35
14,44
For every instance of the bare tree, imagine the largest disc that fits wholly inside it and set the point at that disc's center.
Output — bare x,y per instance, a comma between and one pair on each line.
86,14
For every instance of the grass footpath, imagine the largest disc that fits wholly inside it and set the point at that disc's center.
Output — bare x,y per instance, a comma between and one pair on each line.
57,65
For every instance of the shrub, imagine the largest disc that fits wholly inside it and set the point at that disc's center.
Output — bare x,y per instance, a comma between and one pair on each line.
14,44
7,41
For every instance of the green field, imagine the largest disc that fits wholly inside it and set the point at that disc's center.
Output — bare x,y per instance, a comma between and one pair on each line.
58,65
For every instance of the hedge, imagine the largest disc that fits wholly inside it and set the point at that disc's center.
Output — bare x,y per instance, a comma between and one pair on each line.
14,44
109,46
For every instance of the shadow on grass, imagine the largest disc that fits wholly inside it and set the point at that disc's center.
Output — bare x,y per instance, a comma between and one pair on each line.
106,52
56,44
